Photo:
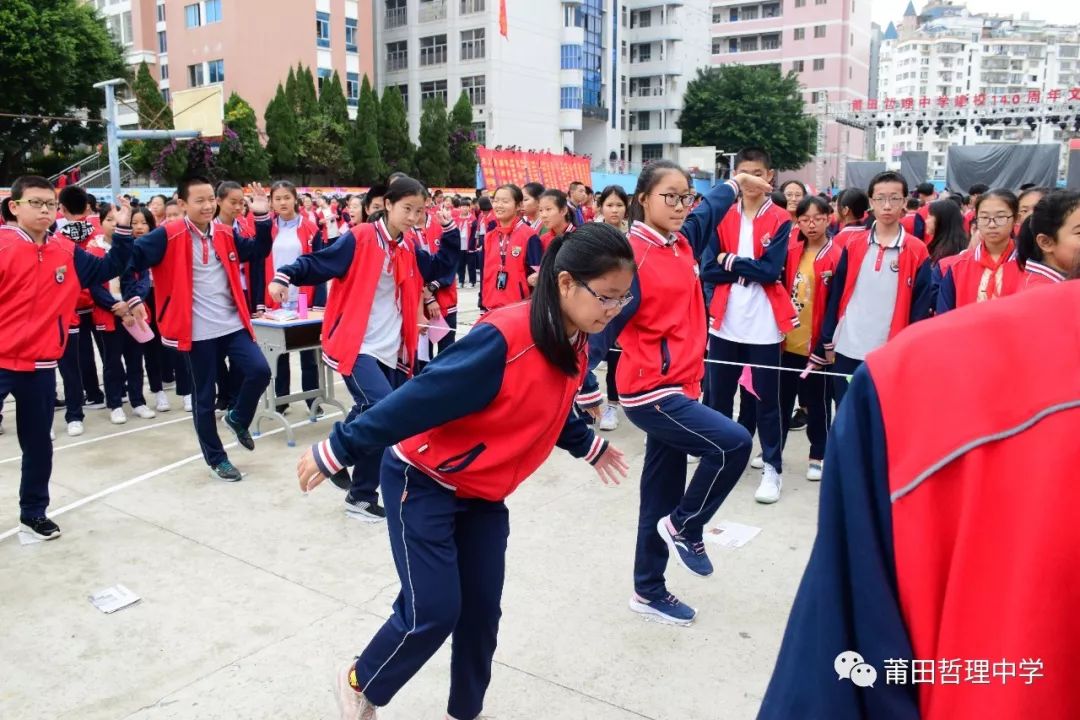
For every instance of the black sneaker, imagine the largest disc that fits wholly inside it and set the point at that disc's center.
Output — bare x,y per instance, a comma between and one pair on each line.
241,432
42,527
226,471
364,510
95,404
341,479
798,420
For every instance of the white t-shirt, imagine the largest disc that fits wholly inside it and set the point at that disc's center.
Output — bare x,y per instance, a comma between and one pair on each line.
382,339
332,229
287,248
748,318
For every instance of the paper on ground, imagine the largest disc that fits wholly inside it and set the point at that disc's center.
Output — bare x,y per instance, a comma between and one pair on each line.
731,534
26,538
114,598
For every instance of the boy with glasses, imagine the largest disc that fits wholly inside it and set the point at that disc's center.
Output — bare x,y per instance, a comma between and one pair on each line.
41,276
750,310
882,284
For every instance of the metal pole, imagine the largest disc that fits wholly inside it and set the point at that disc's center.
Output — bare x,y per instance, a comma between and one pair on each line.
112,140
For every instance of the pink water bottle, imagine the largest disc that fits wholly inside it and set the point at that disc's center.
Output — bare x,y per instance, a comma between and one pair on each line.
301,308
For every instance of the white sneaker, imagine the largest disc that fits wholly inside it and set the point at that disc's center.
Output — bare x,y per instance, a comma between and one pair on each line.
768,491
758,463
352,705
163,402
187,403
117,416
52,434
815,470
75,428
609,419
693,459
144,412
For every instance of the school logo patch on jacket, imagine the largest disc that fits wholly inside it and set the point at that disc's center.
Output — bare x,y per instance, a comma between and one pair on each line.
516,252
766,240
61,273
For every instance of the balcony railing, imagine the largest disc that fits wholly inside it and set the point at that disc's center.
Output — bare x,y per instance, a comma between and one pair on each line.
432,10
395,17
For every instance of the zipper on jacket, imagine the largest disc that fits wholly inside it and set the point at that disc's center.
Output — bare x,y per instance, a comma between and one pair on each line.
60,328
164,307
459,462
333,328
665,357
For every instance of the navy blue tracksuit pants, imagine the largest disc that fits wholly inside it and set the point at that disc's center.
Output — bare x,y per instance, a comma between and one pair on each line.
202,361
724,380
87,365
122,370
677,426
71,376
450,554
846,366
35,396
369,383
816,394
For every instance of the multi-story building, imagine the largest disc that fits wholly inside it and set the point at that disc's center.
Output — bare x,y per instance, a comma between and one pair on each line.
194,43
946,51
826,42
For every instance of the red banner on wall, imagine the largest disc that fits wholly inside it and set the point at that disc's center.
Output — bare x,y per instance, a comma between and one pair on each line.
499,167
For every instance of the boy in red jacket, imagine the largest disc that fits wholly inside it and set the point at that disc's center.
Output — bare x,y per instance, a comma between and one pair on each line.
41,277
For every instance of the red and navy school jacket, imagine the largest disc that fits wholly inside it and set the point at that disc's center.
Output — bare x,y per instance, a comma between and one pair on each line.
506,250
355,263
443,288
168,251
39,288
772,230
662,330
844,234
481,220
1037,274
915,223
311,240
960,280
913,291
911,561
103,316
825,263
548,237
471,436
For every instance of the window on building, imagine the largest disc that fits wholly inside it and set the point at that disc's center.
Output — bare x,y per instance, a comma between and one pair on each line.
771,10
717,15
748,13
819,31
820,2
165,71
819,64
717,45
640,120
469,7
215,71
475,86
748,44
432,90
480,132
322,29
800,33
322,77
570,57
733,45
396,13
472,44
641,19
350,35
770,42
798,66
433,50
397,55
162,44
800,3
352,88
404,90
213,11
195,75
652,151
192,15
166,95
644,53
570,97
161,12
818,96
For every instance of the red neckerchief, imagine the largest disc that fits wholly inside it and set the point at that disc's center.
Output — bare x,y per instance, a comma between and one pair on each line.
983,257
397,256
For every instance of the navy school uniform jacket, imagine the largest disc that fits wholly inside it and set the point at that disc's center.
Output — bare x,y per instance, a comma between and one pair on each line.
40,286
460,422
662,330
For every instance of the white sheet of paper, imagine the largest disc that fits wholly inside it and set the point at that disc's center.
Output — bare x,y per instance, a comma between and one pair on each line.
423,349
731,534
114,598
26,538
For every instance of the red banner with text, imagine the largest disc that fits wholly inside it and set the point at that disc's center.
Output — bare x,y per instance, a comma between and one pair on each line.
499,167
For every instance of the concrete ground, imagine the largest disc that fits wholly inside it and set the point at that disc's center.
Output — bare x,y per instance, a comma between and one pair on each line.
252,593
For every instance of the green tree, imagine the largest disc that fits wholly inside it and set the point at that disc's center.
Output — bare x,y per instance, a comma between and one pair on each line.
433,157
281,133
367,161
462,144
290,90
397,149
307,102
242,158
735,106
325,139
154,114
51,54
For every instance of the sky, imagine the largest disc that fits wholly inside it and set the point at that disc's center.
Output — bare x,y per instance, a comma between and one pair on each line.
885,11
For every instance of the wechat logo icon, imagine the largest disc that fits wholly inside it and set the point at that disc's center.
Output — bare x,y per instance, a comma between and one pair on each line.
850,665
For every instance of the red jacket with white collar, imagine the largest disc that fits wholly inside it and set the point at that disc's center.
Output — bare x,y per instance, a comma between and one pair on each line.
310,241
825,262
39,287
168,250
772,228
962,277
505,251
445,288
1036,274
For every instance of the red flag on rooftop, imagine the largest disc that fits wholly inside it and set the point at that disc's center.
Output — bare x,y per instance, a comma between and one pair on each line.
503,30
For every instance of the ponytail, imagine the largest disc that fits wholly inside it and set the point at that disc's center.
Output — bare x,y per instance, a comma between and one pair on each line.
1026,247
585,254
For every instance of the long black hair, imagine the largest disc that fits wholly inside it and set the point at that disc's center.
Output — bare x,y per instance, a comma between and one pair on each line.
949,235
590,251
559,198
650,177
533,190
1046,219
855,200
